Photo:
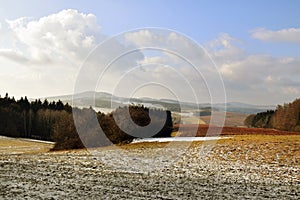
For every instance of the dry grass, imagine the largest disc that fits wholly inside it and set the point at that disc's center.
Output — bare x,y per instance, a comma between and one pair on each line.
231,119
19,146
192,120
263,149
280,149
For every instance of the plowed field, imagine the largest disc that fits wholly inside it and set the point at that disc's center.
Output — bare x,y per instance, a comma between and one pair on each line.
201,130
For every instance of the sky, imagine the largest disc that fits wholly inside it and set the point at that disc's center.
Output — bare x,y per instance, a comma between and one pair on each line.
254,46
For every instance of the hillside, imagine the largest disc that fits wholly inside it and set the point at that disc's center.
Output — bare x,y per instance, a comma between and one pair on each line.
107,100
286,117
231,119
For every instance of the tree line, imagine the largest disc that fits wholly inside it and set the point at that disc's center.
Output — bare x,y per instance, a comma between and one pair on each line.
54,121
21,118
286,117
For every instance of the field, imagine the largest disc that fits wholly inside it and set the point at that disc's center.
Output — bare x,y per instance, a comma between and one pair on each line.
201,131
231,119
244,166
23,146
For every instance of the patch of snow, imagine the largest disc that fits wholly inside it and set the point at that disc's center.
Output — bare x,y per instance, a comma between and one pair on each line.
33,140
177,139
26,139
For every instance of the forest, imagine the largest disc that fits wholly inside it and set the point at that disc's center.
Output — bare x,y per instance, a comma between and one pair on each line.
286,117
54,121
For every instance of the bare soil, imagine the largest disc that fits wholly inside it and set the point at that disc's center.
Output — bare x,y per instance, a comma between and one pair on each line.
201,130
243,167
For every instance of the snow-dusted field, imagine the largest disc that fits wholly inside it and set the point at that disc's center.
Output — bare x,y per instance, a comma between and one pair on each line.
238,168
178,139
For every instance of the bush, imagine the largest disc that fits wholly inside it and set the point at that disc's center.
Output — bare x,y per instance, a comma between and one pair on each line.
87,122
64,133
249,120
129,127
297,128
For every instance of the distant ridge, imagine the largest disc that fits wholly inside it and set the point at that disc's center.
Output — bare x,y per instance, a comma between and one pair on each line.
104,100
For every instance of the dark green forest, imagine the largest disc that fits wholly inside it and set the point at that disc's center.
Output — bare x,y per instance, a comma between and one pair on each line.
286,117
54,121
26,119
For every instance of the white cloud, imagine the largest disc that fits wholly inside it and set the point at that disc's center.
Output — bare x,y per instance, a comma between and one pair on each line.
291,91
192,67
52,48
284,35
143,38
254,77
45,54
263,79
13,54
152,60
224,47
67,35
166,41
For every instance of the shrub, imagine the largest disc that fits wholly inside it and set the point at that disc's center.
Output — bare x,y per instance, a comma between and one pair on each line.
64,133
297,128
87,122
129,127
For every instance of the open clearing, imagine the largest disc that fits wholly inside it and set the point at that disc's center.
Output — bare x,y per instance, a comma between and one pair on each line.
231,118
19,146
243,166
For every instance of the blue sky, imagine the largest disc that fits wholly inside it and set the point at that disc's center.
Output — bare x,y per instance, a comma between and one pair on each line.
234,17
254,29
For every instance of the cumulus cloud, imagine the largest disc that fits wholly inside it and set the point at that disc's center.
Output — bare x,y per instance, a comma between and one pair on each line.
188,59
67,35
225,46
166,41
53,47
259,78
284,35
13,54
143,37
255,77
44,56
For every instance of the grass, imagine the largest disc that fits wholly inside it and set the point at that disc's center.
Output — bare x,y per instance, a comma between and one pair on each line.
231,119
268,149
19,146
263,149
280,149
192,120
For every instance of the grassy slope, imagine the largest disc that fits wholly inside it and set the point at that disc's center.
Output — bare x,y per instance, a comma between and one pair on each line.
19,146
282,149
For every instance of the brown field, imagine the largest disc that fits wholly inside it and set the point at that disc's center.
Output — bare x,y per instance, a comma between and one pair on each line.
188,130
231,119
263,149
252,166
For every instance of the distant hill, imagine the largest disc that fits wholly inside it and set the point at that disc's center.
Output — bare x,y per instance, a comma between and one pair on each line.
106,100
243,108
